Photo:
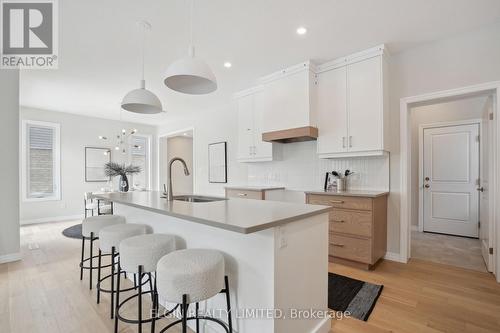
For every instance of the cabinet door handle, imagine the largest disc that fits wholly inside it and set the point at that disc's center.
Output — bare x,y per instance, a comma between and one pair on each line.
338,221
337,201
242,194
350,141
338,244
343,142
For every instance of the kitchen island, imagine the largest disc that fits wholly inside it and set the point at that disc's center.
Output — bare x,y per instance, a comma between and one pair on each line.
276,255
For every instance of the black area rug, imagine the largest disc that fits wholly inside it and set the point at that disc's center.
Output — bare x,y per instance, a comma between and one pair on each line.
73,232
353,296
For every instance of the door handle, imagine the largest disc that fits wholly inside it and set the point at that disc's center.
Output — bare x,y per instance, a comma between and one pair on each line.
427,186
480,189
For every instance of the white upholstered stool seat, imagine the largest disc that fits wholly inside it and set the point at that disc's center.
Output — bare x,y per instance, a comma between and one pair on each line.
111,236
96,223
197,273
145,251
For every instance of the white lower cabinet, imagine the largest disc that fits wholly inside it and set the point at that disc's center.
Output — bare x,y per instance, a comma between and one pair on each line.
351,113
251,148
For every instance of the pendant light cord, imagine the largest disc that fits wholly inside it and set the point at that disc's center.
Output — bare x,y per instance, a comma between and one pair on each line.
191,38
143,49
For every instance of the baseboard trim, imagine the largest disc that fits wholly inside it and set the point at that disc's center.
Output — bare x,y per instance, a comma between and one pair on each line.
393,256
10,257
53,219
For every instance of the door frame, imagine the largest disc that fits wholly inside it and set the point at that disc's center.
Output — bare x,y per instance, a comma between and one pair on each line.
421,129
406,104
158,157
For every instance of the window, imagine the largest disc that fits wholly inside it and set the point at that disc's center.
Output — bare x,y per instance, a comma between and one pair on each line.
41,161
140,156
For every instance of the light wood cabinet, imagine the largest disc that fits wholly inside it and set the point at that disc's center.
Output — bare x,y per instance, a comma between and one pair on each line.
351,103
249,193
358,228
251,148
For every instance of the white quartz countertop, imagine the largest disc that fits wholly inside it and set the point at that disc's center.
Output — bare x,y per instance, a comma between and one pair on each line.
255,188
238,215
353,193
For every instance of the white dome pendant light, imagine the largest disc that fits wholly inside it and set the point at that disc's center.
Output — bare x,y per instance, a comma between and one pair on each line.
190,75
142,100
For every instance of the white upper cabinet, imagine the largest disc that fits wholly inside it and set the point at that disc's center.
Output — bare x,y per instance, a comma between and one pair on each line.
351,99
364,100
251,148
332,111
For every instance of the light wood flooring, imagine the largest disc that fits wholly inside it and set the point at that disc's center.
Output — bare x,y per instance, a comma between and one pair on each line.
43,293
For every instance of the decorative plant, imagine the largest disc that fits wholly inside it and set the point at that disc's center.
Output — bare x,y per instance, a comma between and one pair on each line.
113,169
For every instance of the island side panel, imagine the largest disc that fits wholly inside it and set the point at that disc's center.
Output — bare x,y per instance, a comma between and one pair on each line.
301,273
249,264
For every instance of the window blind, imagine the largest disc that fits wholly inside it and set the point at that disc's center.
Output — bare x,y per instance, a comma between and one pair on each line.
41,181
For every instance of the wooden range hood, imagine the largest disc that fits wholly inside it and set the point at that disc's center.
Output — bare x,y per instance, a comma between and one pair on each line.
300,134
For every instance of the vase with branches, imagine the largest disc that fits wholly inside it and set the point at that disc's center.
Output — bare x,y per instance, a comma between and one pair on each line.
113,169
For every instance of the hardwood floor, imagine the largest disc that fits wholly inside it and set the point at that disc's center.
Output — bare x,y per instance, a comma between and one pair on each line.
43,293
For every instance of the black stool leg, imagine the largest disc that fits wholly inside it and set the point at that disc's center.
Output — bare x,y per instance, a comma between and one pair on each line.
99,276
117,296
197,319
83,255
155,307
90,260
135,281
140,299
113,282
184,313
151,287
228,301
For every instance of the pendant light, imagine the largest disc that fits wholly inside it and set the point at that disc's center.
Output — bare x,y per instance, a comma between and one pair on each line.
190,75
142,100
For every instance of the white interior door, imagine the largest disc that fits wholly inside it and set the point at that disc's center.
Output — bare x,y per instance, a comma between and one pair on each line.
486,151
451,174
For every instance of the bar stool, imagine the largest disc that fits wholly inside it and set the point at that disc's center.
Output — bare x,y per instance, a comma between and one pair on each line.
140,255
90,231
109,240
190,276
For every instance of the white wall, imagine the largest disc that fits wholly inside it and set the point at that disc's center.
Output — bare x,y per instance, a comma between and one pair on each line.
463,109
9,167
463,60
77,132
180,146
209,127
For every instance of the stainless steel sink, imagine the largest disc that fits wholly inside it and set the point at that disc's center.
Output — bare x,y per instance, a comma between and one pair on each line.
197,198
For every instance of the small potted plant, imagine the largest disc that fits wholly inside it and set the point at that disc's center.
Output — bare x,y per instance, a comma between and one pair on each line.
113,169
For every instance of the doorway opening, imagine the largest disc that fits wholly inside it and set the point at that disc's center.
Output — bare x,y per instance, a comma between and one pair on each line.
450,159
177,144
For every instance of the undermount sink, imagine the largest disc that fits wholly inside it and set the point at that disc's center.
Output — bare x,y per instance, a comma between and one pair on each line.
196,198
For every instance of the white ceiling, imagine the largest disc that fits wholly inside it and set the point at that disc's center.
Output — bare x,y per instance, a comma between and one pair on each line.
100,44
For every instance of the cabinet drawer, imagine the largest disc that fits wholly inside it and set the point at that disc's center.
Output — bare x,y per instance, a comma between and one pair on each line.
244,194
339,201
351,222
355,249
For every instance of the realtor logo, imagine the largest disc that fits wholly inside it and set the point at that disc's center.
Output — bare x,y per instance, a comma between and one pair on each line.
29,34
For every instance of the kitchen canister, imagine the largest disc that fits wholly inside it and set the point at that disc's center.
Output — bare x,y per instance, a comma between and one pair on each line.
341,184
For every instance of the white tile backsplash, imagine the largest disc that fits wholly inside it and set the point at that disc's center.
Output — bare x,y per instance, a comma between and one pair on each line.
299,168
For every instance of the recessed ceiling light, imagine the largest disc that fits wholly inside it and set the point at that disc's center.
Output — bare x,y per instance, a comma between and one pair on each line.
227,64
301,30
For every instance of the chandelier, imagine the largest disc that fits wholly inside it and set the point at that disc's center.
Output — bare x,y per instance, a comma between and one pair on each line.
122,140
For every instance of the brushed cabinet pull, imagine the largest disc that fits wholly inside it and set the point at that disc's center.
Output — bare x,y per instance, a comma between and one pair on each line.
338,221
343,142
337,201
338,245
350,141
242,194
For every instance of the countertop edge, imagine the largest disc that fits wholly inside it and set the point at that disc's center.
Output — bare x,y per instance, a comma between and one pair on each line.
219,225
350,194
255,188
